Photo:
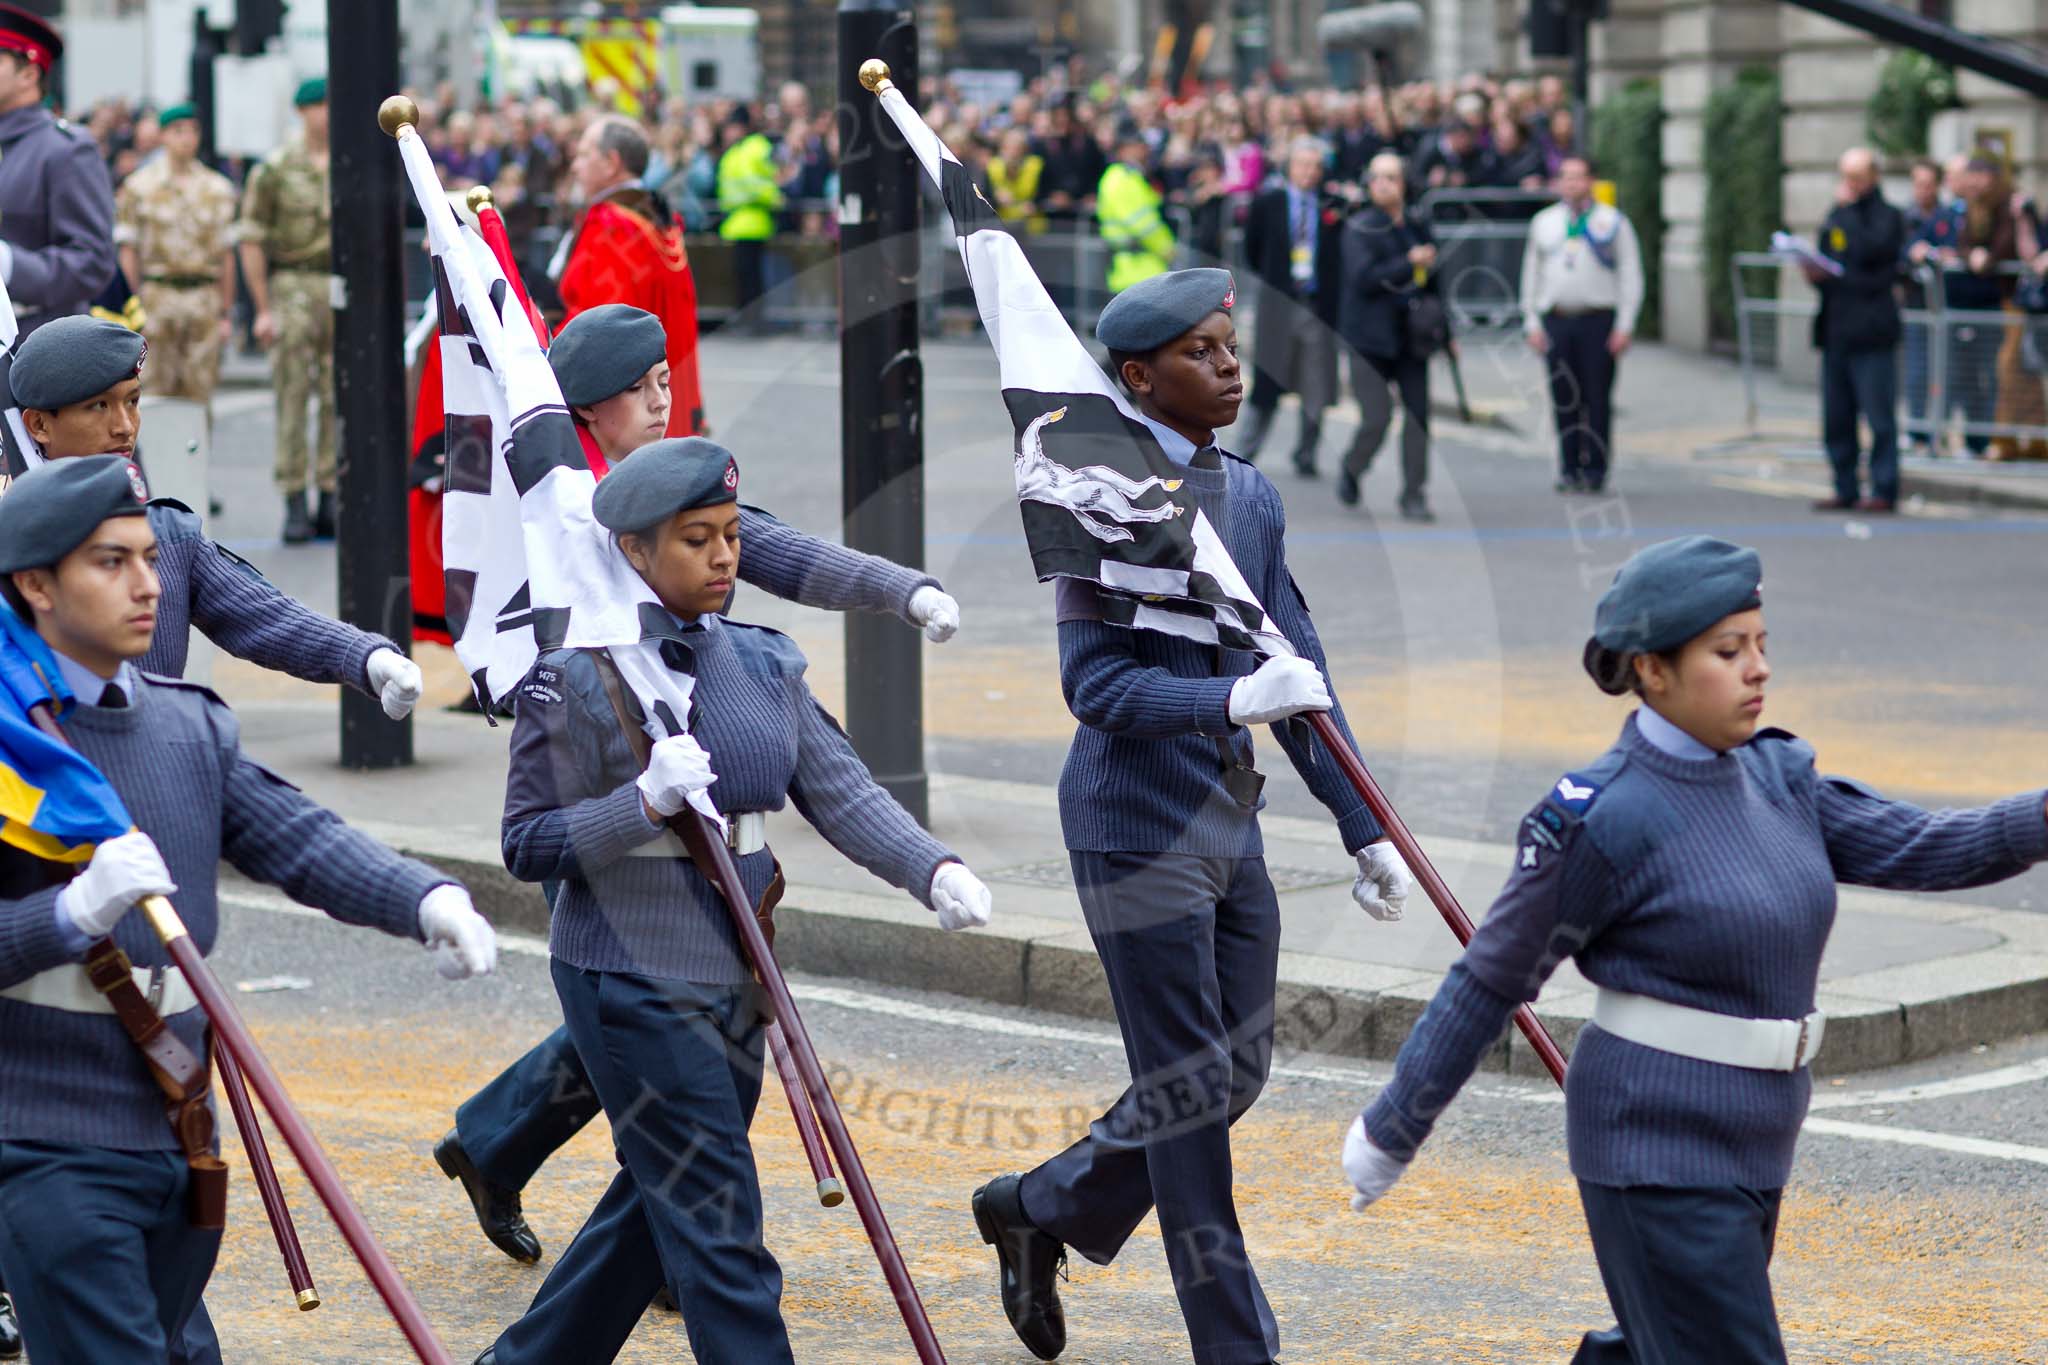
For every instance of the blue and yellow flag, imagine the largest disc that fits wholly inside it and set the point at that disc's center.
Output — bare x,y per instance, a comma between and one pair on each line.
53,803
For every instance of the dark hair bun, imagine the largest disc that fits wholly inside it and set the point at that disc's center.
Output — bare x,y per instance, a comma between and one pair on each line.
1609,669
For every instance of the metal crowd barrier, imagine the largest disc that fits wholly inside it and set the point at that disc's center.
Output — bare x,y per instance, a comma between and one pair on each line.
1481,237
1968,377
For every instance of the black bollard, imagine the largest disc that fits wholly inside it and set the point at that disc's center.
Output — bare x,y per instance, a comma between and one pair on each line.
372,558
881,392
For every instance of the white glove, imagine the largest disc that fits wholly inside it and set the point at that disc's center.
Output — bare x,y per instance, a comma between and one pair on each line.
677,768
938,613
123,870
1383,883
1371,1171
1281,687
396,681
960,898
462,940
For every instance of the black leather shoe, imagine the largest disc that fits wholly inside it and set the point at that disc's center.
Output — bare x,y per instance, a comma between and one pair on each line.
665,1301
323,517
1347,488
298,527
489,1357
1033,1263
10,1330
497,1208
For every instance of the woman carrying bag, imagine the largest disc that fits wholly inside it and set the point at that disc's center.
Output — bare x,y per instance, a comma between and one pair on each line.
1393,317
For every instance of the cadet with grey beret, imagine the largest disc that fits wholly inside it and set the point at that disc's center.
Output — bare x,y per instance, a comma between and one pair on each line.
599,349
1153,312
1690,874
662,479
203,584
73,359
49,511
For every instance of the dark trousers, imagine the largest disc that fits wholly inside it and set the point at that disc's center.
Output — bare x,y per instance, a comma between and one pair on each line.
95,1245
1373,380
678,1067
1582,392
527,1112
1688,1272
1919,373
1865,384
1191,947
750,270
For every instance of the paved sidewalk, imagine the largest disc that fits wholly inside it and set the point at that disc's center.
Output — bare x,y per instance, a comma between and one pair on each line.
1673,405
1906,977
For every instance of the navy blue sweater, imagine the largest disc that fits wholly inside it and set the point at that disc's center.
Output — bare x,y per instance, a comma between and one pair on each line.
1703,882
1143,775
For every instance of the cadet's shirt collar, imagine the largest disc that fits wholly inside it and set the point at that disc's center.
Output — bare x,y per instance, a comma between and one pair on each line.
1179,448
89,686
707,623
1668,738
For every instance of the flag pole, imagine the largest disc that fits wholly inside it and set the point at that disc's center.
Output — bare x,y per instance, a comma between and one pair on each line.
1425,872
251,1127
715,860
236,1042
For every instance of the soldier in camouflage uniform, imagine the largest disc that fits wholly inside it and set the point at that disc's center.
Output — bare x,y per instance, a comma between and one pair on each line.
285,255
172,222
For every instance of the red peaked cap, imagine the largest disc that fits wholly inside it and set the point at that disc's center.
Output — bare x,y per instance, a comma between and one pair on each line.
29,35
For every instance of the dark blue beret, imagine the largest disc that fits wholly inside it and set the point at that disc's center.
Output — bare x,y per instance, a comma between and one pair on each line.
1153,312
605,351
69,360
663,478
1673,590
49,511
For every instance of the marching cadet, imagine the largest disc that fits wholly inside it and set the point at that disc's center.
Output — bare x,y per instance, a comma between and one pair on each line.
1690,873
78,382
659,996
172,222
285,247
56,203
613,368
109,1218
1159,804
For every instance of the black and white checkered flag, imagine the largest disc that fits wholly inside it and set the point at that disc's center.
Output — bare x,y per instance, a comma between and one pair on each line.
528,567
1094,487
18,452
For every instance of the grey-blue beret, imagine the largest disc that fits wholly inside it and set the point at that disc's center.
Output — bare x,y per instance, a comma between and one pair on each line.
663,478
69,360
1671,591
605,351
1153,312
51,510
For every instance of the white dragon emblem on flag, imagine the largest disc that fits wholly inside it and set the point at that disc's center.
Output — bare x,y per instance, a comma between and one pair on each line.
1099,497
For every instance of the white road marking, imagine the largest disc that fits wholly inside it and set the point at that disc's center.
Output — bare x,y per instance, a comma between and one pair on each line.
2002,1078
841,997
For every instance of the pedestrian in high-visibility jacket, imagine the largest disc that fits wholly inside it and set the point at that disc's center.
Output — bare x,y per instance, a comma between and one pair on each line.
1127,209
749,195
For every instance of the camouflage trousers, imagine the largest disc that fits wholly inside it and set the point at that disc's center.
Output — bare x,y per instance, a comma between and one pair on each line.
183,330
302,367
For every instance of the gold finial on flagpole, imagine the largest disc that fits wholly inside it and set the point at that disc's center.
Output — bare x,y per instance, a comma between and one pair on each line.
478,198
874,74
396,114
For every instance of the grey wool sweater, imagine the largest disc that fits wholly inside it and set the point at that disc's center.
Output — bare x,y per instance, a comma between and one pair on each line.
631,900
1703,882
175,758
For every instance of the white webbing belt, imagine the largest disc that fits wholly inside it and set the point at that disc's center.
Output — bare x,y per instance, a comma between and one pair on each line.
1757,1044
745,833
69,988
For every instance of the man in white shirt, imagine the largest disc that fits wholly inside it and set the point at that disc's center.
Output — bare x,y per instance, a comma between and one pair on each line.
1582,286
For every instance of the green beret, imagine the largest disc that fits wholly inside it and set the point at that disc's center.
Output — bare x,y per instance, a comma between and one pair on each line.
604,352
1153,312
71,359
1667,594
312,90
663,478
177,113
49,511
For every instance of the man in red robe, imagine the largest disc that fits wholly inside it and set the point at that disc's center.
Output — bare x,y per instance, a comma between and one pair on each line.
628,248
